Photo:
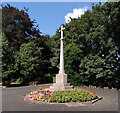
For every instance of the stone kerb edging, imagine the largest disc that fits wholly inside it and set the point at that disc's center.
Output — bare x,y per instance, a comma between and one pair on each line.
95,87
69,104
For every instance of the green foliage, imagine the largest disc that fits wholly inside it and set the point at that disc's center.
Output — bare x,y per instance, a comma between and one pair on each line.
33,83
91,46
28,62
8,69
18,26
26,54
0,58
54,79
73,57
77,95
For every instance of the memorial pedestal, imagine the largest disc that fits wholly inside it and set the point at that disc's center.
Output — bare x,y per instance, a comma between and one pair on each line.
61,83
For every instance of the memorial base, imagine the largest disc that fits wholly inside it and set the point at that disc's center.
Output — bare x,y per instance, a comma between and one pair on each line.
61,86
61,83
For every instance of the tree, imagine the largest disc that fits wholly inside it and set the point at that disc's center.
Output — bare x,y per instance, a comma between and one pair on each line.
44,42
8,60
18,26
92,36
112,10
26,54
73,56
0,58
29,63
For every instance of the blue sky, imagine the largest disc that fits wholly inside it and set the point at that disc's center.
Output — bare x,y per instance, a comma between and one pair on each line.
50,15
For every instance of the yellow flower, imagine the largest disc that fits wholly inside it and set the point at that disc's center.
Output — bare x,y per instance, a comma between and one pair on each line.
43,99
46,100
40,97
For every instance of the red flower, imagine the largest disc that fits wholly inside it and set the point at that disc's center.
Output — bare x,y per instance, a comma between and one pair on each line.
47,91
35,98
93,93
37,91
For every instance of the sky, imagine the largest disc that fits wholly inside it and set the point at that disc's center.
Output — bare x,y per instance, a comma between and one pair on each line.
50,15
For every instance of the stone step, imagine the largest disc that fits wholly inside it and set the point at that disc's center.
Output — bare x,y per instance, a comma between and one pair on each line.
69,87
61,84
57,87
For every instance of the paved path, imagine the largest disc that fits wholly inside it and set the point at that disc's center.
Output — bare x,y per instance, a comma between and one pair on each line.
12,100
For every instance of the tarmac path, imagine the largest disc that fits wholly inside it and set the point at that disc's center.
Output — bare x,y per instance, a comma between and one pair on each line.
12,100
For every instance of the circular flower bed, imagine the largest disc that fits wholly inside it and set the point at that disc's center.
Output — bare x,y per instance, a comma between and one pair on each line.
76,95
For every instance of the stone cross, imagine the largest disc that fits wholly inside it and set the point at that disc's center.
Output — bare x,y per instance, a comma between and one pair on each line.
61,52
61,77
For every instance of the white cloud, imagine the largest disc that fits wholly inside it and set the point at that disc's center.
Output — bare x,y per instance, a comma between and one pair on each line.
76,13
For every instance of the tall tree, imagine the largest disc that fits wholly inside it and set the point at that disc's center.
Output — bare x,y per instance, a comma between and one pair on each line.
23,58
8,70
92,36
18,26
29,63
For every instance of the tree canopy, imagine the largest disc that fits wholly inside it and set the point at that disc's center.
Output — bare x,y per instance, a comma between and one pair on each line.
17,26
91,48
25,53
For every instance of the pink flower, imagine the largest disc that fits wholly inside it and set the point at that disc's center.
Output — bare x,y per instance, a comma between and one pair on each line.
30,97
